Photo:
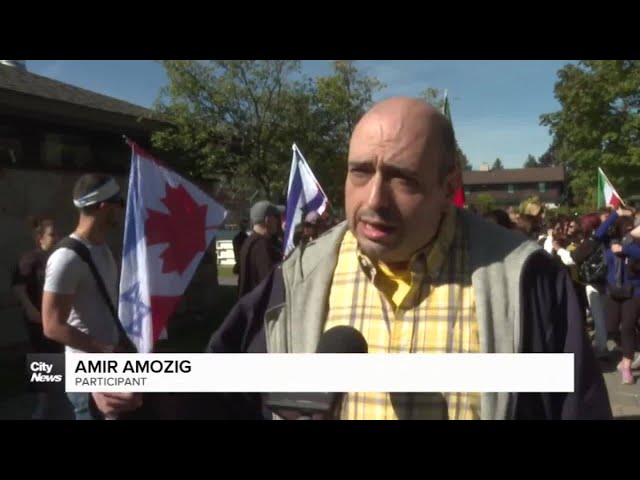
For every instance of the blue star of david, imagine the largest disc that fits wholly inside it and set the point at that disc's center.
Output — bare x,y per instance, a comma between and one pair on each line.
140,310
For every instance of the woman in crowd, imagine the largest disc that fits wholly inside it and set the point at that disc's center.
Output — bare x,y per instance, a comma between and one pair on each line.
562,241
622,254
590,250
28,281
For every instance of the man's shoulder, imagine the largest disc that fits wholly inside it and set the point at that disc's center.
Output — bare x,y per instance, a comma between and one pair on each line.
28,260
493,241
316,250
63,256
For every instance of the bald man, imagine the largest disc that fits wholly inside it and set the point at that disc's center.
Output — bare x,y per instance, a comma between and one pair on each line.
428,277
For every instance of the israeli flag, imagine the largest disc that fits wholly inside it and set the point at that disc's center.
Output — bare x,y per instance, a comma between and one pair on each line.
303,197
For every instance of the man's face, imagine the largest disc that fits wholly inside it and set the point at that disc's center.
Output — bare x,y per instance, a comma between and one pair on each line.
49,238
112,213
273,224
393,199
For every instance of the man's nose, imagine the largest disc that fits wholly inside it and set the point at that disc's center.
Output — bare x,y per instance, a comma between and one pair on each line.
378,194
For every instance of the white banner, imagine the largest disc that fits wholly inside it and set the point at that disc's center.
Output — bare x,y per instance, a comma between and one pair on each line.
319,373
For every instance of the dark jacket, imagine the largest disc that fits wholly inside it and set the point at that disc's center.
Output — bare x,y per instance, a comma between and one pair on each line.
258,256
619,264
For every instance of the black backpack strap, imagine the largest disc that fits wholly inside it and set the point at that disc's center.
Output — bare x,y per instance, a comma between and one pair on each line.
83,252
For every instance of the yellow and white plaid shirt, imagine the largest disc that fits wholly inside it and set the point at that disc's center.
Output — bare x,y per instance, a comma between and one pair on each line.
428,309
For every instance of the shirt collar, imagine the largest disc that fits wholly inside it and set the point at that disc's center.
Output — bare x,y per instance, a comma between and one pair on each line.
430,258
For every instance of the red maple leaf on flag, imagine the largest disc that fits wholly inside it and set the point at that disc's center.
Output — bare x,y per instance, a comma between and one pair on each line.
183,228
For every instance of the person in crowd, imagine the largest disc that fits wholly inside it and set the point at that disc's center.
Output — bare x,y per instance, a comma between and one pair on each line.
562,242
500,217
590,250
604,213
28,282
259,254
622,254
528,225
74,311
237,242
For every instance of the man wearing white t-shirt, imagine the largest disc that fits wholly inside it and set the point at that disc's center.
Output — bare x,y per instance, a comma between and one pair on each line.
74,312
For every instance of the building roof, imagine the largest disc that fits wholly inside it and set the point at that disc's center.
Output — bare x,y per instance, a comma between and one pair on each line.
18,80
515,175
28,92
517,197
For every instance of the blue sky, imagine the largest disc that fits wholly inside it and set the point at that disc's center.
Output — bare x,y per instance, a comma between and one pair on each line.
495,104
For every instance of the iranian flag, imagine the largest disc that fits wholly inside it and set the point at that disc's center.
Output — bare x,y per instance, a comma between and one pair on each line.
607,195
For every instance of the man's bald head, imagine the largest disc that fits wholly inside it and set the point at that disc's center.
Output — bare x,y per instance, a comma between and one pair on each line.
402,177
419,119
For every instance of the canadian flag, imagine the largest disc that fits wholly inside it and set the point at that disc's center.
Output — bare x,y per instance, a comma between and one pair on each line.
169,224
607,195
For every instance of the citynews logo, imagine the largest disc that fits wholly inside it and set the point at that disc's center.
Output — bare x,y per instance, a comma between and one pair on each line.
45,372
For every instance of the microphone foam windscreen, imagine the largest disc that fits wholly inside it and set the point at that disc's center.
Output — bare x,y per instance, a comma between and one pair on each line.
342,339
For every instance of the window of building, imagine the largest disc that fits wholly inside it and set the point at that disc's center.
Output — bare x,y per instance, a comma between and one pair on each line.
542,187
510,188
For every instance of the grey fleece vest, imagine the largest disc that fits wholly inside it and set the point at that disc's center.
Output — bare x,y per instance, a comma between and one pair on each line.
496,256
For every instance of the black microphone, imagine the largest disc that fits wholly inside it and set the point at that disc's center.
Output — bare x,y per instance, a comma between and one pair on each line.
321,405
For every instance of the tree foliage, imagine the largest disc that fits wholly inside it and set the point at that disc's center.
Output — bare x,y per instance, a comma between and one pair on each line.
531,162
234,121
598,125
484,202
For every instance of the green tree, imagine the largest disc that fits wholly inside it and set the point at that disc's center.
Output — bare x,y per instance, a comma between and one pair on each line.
497,165
531,162
598,124
233,119
484,202
435,96
464,161
338,102
234,122
549,158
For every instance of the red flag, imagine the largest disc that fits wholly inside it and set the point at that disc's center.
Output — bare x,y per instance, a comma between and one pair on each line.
458,199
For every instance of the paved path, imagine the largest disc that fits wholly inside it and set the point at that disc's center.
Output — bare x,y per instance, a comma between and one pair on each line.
625,399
